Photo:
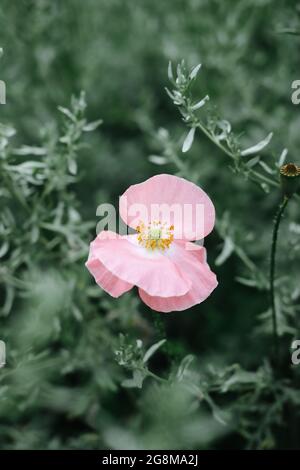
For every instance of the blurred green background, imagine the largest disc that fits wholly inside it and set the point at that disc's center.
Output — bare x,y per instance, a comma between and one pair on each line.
63,385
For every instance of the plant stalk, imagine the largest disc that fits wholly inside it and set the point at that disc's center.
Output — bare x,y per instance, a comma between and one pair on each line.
277,221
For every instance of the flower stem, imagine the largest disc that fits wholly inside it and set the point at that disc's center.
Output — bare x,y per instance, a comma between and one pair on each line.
157,377
277,221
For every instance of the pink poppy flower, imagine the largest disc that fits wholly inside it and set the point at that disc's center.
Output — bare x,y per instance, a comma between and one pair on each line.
170,271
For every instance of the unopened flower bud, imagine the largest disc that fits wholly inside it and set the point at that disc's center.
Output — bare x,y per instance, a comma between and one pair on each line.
290,179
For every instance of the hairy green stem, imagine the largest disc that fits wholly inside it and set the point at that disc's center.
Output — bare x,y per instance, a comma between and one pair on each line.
277,221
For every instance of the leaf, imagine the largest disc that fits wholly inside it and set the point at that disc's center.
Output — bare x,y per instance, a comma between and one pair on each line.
66,139
258,147
240,377
136,381
152,350
200,103
9,299
3,143
2,354
180,75
72,166
290,31
170,72
27,168
227,250
67,113
282,157
184,365
91,126
4,249
265,187
28,150
35,232
224,125
158,160
188,141
253,161
266,168
247,282
195,71
170,94
225,128
7,131
216,411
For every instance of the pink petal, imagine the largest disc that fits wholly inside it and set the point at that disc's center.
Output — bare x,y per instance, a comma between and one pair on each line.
105,279
191,260
193,213
113,285
153,272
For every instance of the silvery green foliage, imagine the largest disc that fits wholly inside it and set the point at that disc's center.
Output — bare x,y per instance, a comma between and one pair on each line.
44,243
36,178
252,402
219,131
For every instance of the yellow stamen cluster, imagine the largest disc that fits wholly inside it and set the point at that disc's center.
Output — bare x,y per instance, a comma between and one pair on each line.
155,235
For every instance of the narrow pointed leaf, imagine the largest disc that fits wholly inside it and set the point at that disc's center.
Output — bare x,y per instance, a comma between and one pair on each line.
258,147
200,103
195,71
188,141
152,350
